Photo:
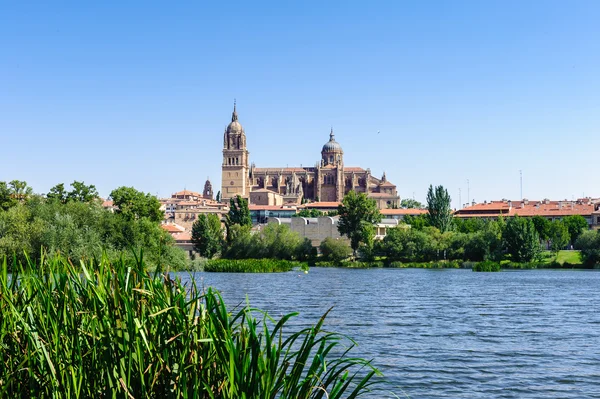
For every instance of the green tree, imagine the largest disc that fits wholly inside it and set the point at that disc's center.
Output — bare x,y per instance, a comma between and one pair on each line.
542,226
133,204
58,194
418,222
6,197
308,213
576,224
521,240
20,190
239,213
218,197
357,215
558,234
438,205
409,203
82,192
334,250
588,243
207,235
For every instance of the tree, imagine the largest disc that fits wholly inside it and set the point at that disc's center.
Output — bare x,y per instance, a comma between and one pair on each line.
308,213
6,198
418,222
133,204
409,203
438,205
334,250
82,193
20,190
57,194
357,214
218,197
239,212
558,234
542,226
207,235
521,240
576,224
589,244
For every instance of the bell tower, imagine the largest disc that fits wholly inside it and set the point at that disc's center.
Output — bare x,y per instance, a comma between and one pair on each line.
235,167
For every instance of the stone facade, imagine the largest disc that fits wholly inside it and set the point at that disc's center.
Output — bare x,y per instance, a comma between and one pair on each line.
328,180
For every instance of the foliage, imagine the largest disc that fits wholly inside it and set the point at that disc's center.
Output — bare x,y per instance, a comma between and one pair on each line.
409,203
273,241
438,205
134,204
487,266
98,329
58,194
308,213
418,222
7,199
81,230
207,235
589,245
576,224
334,250
470,225
239,213
558,234
82,193
357,216
521,240
265,265
411,245
218,197
542,227
19,190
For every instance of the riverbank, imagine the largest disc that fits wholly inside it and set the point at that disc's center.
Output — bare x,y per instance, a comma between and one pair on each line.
102,329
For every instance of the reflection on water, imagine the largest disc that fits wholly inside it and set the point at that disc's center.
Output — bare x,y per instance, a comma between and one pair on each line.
449,333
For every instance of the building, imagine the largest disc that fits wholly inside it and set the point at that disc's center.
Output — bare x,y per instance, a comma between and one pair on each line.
552,210
328,180
184,206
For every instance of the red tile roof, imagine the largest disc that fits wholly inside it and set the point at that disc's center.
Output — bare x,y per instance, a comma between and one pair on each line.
323,204
354,169
270,208
391,212
531,208
187,192
171,228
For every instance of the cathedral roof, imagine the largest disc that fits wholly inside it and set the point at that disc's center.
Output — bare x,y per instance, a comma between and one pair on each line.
332,145
235,126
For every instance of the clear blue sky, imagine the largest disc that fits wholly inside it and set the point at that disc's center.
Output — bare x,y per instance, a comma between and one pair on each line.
138,94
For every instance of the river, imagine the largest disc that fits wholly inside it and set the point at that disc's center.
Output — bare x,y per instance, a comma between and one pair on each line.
448,333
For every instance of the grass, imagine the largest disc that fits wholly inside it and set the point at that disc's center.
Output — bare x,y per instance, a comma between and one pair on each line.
102,329
252,265
572,257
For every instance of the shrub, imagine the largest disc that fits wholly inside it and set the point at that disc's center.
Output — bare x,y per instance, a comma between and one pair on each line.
252,265
335,250
487,266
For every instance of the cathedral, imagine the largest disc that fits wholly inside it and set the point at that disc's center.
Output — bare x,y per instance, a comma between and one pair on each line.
327,181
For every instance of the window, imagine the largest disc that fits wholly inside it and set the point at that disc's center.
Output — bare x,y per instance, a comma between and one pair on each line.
598,220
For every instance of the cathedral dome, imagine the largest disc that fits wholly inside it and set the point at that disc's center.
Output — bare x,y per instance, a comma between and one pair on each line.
332,145
235,127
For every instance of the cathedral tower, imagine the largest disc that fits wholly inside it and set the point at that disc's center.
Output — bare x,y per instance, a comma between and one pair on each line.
235,168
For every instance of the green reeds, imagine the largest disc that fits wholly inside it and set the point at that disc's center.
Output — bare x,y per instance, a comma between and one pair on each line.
112,330
252,265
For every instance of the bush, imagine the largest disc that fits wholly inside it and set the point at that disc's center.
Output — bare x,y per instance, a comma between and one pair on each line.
335,250
589,244
487,266
252,265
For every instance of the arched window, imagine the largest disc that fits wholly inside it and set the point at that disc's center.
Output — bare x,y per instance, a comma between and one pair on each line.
331,159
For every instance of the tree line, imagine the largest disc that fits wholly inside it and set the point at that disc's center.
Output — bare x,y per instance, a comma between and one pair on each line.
72,222
429,237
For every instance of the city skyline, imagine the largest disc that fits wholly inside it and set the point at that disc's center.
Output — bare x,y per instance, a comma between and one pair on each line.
430,93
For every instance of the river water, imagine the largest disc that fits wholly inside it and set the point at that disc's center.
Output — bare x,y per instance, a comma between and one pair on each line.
448,333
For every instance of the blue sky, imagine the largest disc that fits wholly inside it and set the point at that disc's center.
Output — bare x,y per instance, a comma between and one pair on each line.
138,93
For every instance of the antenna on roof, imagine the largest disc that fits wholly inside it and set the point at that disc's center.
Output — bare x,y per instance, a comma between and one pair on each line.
521,177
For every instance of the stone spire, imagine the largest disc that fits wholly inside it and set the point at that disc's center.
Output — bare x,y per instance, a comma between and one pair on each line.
331,136
234,116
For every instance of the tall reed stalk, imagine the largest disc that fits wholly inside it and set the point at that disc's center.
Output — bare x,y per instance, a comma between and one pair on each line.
112,330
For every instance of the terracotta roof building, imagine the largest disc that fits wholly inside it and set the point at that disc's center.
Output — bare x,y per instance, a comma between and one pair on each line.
553,210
